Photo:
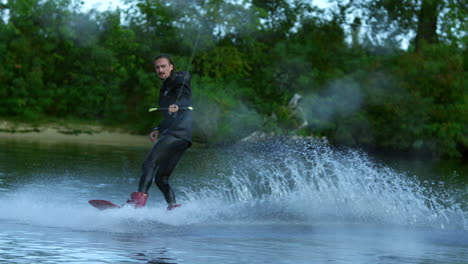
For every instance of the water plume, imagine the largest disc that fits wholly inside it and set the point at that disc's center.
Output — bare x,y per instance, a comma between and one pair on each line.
308,181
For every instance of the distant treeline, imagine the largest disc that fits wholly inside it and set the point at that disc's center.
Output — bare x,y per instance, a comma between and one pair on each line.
359,85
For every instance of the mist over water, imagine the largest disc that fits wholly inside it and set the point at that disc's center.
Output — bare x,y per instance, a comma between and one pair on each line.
342,97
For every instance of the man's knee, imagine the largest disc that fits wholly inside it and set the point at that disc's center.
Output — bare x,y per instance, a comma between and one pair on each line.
148,164
162,181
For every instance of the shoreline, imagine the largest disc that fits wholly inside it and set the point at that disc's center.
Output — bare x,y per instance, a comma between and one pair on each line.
80,134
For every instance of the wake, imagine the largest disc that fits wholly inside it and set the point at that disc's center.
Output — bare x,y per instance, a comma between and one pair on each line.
309,182
272,182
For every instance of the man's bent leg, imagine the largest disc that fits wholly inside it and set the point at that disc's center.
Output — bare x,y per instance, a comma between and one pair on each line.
162,181
163,173
161,151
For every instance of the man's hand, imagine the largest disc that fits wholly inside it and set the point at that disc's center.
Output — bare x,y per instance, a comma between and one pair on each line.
173,108
153,136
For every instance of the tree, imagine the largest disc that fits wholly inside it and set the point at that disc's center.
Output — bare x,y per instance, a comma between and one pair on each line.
425,21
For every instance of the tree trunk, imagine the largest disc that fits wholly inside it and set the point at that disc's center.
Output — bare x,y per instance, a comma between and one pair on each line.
427,23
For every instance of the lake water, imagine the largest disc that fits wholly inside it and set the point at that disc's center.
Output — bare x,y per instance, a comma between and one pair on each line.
270,202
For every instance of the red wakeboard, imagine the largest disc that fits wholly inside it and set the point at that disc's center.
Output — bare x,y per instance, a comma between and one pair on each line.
103,204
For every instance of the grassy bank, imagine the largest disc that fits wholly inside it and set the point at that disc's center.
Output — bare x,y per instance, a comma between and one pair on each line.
70,131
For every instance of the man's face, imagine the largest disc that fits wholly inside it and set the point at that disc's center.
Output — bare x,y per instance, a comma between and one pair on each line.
163,68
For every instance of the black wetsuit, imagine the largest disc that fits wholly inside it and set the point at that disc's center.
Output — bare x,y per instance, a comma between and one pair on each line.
175,136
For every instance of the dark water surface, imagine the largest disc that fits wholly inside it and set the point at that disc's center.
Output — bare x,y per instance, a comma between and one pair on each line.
273,202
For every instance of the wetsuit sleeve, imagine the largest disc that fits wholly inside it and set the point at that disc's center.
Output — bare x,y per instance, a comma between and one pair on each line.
183,89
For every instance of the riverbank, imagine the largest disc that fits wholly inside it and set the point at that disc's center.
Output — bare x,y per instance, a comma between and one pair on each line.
76,133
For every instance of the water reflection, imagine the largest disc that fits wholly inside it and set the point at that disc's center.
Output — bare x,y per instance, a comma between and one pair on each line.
158,260
271,207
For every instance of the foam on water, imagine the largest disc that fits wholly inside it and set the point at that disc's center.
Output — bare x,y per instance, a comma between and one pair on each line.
42,208
304,182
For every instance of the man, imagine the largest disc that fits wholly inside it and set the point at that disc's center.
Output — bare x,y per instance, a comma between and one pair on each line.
172,137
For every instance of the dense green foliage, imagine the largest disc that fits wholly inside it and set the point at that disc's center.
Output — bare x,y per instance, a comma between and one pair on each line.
247,62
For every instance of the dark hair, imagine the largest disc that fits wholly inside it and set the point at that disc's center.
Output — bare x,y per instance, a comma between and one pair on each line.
165,56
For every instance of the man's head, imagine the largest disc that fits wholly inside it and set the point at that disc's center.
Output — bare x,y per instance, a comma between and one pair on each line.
163,65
